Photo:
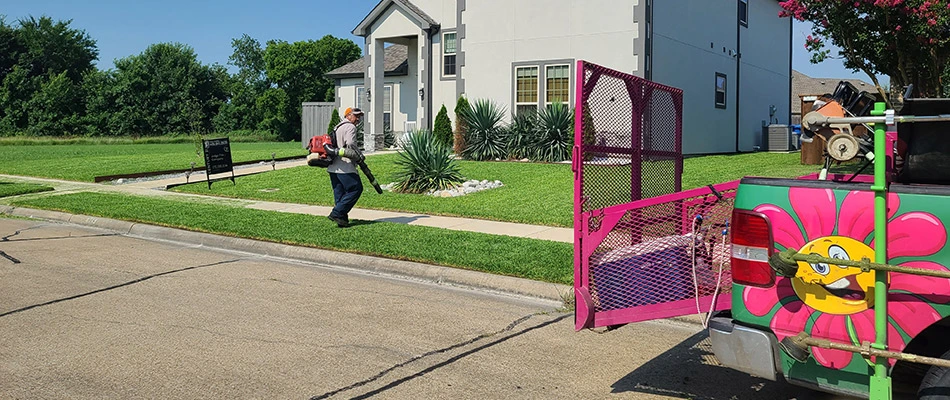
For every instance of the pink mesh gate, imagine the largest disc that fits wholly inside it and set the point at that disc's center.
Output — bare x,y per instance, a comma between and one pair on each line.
643,248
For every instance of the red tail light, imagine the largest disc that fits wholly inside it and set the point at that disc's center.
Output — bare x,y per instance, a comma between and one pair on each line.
751,248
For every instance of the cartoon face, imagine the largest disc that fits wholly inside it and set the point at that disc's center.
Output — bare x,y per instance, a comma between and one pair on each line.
831,288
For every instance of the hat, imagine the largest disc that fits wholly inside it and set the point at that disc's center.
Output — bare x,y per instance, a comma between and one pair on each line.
349,111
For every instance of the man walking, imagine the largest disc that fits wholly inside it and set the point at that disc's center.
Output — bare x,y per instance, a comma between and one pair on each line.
346,183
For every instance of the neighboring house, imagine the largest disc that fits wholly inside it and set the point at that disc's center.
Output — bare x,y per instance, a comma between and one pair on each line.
523,54
806,88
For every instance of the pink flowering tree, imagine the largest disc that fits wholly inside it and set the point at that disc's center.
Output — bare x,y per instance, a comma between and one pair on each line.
907,40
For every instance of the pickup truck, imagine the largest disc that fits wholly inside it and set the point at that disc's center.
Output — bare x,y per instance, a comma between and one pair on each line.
835,218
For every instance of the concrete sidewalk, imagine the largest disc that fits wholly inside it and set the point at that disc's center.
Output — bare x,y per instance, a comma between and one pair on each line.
158,188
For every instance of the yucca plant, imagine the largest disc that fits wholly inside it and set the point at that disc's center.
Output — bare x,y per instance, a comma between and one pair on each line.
486,137
521,134
425,165
554,134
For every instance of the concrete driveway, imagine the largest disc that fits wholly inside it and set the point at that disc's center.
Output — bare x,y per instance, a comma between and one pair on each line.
88,313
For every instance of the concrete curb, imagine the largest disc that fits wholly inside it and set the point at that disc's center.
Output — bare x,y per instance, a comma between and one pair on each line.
375,265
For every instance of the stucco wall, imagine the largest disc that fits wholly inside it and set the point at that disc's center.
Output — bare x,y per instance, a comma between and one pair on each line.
765,72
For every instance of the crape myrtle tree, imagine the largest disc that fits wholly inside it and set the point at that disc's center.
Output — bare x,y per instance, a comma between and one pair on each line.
907,40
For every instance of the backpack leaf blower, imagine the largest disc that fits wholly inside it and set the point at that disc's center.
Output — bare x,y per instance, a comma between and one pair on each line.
357,158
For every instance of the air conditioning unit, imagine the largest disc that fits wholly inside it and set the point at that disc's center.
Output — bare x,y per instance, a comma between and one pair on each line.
780,138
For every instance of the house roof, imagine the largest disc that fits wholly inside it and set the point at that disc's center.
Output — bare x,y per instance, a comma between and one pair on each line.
804,85
415,13
395,60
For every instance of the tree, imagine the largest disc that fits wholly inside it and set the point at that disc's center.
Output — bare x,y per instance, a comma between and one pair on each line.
907,40
334,120
57,108
442,129
166,90
298,70
460,125
244,88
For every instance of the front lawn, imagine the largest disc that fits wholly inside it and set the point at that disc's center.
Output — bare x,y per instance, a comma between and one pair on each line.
504,255
8,189
541,194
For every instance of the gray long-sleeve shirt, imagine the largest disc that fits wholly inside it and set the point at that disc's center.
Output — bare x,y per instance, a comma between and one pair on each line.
345,137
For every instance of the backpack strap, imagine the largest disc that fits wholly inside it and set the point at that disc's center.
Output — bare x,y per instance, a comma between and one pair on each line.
335,128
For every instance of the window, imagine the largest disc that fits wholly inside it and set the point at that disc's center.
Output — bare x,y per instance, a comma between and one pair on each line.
360,97
448,54
744,12
720,90
556,85
387,107
526,89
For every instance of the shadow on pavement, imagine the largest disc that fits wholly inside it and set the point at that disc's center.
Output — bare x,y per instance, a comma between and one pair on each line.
690,371
404,220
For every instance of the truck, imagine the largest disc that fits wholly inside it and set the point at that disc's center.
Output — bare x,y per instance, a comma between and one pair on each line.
837,282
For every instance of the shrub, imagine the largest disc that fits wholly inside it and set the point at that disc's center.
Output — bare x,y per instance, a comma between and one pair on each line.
442,129
425,165
334,119
521,134
460,126
486,136
554,135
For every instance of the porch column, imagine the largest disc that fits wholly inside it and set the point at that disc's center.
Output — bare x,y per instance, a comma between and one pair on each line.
373,124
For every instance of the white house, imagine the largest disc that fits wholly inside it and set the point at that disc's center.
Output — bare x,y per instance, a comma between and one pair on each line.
732,58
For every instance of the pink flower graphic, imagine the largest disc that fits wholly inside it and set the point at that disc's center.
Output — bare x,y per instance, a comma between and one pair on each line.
912,234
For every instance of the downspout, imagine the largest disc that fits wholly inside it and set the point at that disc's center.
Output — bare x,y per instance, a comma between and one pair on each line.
430,32
791,31
738,76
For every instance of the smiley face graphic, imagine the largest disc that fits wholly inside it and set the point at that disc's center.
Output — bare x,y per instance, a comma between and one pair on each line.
835,289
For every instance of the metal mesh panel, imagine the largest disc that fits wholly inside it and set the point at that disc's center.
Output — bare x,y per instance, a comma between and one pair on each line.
644,249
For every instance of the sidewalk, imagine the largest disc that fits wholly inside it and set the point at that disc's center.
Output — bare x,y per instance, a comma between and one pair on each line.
157,188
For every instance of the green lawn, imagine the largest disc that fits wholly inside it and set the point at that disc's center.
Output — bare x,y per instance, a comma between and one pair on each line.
527,258
83,162
541,194
8,189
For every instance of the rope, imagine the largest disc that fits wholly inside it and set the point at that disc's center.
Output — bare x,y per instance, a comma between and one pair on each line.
715,295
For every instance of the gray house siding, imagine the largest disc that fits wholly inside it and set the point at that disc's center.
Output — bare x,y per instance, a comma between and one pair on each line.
766,73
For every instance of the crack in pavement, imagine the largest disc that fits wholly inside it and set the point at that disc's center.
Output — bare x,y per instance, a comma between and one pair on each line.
405,379
9,257
132,282
4,239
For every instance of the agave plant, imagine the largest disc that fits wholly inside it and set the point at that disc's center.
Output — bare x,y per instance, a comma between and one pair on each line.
554,134
486,137
425,165
521,134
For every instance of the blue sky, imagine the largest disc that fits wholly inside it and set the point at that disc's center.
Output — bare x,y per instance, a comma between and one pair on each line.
126,27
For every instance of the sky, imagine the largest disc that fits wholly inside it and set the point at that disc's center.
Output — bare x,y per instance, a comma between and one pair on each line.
123,28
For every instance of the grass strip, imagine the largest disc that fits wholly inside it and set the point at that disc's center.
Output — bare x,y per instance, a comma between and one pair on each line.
8,189
526,258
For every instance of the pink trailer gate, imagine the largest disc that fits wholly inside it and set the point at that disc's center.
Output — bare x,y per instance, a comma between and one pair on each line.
643,248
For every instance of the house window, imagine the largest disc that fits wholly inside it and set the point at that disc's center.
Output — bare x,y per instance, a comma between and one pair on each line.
526,89
448,54
360,97
720,90
387,107
556,84
744,12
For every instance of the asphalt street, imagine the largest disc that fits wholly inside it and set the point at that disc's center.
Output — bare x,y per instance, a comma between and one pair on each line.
91,313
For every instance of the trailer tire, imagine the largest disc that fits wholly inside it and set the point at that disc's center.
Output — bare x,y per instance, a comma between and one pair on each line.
936,383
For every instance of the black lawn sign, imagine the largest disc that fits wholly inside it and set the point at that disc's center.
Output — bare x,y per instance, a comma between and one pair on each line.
217,158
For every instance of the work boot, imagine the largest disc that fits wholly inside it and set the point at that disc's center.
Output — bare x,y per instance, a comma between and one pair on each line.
340,222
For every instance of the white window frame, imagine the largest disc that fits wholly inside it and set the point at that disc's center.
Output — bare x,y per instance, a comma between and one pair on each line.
744,17
360,97
388,110
537,87
453,54
724,89
567,100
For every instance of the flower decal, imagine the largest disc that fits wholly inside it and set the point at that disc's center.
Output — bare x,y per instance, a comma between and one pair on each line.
839,300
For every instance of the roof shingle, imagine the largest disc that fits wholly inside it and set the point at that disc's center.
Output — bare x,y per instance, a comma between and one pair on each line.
396,62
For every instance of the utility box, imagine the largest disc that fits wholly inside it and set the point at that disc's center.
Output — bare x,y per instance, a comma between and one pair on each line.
779,138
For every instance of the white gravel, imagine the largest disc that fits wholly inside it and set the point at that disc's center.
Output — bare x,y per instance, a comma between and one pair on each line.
467,187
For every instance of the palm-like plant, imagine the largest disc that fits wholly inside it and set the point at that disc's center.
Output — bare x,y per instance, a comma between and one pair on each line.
425,165
486,137
554,135
521,134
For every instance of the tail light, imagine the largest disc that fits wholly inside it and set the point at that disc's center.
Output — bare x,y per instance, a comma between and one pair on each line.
751,248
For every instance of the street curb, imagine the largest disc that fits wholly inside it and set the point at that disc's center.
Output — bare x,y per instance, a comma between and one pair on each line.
375,265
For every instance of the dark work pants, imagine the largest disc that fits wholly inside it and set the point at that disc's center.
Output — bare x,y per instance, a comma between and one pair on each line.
347,189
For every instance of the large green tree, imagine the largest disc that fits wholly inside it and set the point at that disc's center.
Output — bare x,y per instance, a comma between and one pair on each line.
297,69
244,87
907,40
166,90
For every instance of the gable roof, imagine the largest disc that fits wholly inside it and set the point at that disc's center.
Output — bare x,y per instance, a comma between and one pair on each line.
415,13
804,85
395,60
